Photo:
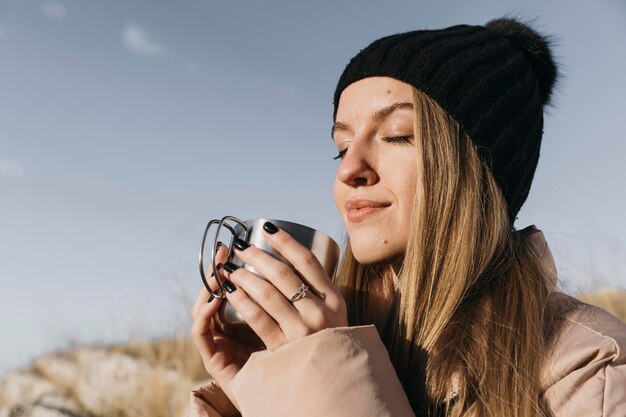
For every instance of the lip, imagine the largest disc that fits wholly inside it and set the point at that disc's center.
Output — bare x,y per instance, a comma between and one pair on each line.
359,209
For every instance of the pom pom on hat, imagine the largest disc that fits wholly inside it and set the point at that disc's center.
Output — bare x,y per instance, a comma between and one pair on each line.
536,47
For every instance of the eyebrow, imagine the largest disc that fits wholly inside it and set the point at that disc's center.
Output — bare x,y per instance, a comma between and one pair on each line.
379,115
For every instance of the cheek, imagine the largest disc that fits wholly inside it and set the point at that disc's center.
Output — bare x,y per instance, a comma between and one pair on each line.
405,187
400,172
410,188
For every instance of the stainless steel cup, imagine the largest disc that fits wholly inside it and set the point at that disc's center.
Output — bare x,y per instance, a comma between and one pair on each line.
325,249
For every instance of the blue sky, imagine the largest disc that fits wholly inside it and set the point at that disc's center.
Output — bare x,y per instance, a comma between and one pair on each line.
127,125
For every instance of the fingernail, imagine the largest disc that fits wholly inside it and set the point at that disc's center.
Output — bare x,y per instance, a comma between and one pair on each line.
270,228
210,298
230,287
241,244
230,267
217,268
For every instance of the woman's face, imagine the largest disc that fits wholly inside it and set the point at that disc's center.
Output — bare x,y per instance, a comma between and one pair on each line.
376,180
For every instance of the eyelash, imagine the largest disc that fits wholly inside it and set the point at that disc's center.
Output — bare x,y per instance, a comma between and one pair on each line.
391,139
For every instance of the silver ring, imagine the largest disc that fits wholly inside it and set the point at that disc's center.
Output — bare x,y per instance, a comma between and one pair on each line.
301,293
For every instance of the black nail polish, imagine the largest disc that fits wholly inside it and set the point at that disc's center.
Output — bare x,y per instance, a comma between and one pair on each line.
217,268
210,298
217,246
230,287
230,267
241,244
270,228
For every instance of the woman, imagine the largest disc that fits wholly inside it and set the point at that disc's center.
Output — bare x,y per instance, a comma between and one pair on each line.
438,133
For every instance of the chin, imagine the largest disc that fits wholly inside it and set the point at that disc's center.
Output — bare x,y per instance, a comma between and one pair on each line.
374,253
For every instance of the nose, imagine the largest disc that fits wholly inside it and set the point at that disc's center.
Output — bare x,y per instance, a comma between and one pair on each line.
356,168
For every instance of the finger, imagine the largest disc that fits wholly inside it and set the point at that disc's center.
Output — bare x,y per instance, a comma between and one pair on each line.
256,317
201,330
302,259
277,273
267,296
203,296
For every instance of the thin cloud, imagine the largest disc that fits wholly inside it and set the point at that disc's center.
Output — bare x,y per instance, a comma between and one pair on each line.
11,169
54,10
191,67
138,41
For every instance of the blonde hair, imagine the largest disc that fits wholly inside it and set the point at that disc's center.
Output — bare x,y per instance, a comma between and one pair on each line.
468,313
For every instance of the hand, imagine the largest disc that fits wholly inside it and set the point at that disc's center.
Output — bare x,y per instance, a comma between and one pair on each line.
273,317
222,356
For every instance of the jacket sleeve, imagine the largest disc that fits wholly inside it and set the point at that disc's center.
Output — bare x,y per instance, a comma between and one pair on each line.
210,401
335,372
587,375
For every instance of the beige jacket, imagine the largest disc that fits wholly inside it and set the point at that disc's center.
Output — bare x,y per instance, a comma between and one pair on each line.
346,372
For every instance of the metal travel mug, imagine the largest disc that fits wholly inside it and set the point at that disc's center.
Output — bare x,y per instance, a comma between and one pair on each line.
325,249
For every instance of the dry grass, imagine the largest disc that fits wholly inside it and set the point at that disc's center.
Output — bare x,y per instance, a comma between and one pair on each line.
178,353
172,367
158,400
612,300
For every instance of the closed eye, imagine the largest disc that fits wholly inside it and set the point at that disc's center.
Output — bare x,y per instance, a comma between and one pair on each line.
388,139
398,139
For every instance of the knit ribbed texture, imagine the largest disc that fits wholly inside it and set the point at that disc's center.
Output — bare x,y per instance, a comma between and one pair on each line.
491,79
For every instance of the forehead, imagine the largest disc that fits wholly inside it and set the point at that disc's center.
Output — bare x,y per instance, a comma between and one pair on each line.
362,97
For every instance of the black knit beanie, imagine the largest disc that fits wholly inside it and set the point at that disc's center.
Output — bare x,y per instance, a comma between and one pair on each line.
494,80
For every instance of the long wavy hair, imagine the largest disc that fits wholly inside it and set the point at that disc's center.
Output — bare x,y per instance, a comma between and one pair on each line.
467,326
